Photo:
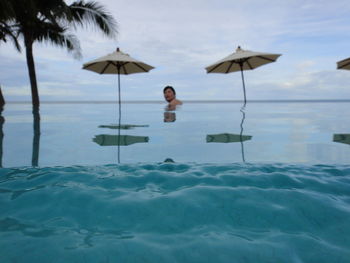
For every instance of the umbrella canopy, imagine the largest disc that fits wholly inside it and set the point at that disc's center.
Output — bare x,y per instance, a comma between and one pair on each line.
344,64
117,63
242,60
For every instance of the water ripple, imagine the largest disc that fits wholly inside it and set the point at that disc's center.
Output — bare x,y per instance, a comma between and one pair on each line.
171,212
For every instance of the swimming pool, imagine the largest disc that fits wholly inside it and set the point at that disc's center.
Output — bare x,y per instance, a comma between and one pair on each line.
280,133
215,182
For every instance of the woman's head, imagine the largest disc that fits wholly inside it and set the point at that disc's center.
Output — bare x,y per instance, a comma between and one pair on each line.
169,93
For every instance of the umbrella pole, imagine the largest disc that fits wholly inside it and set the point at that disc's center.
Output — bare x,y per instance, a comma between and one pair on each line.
245,100
119,99
120,115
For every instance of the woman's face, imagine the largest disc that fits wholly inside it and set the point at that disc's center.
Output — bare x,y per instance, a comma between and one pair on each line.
169,95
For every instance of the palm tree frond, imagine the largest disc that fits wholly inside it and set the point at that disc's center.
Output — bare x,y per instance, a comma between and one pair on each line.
59,37
7,32
95,15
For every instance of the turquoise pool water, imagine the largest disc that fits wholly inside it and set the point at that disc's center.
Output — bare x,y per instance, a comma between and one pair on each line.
267,183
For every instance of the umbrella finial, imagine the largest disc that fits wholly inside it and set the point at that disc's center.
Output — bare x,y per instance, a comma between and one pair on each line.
238,49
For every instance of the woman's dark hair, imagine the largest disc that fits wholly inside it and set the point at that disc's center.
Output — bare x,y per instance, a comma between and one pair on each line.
169,87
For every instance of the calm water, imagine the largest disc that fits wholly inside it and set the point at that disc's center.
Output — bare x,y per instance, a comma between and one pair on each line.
216,183
280,132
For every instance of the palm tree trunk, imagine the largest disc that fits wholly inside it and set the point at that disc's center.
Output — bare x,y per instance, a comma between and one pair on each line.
31,71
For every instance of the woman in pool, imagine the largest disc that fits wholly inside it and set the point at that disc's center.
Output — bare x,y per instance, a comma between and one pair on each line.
170,97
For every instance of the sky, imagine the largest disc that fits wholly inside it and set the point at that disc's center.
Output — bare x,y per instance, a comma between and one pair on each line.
180,38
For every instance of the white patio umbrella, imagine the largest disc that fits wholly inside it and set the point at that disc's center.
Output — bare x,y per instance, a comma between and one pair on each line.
117,63
344,64
242,60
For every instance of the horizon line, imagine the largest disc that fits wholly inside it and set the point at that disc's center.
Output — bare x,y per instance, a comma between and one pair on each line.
185,101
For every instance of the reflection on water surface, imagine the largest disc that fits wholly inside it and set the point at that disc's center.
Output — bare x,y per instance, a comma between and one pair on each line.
72,134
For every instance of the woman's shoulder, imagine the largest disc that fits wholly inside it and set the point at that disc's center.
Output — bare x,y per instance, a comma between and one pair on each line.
176,102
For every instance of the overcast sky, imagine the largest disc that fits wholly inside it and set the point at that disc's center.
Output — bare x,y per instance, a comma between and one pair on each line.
180,38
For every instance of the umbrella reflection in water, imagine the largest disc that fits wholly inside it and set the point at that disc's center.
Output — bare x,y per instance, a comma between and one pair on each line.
120,140
122,126
231,137
342,138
